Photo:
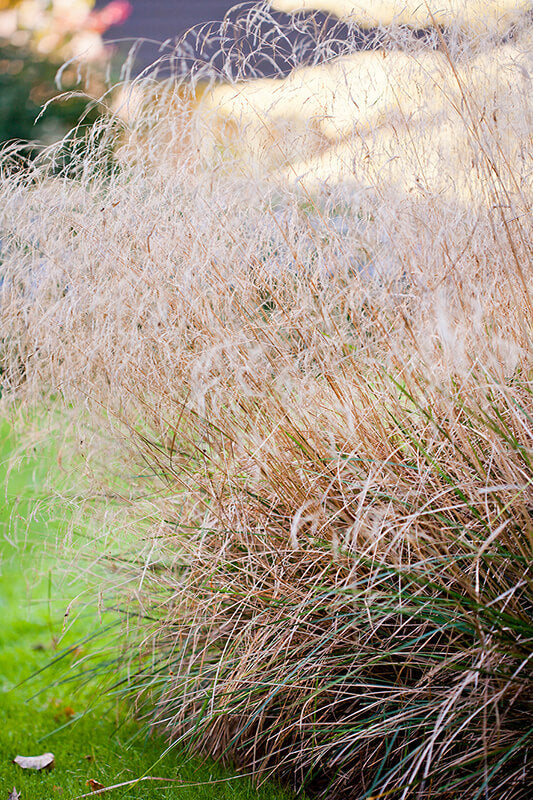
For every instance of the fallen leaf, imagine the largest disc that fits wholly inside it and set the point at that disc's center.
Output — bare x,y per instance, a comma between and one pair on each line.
95,785
65,713
46,761
57,789
14,795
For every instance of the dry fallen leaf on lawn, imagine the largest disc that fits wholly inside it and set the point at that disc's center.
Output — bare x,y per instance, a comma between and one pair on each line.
65,713
14,795
46,761
95,785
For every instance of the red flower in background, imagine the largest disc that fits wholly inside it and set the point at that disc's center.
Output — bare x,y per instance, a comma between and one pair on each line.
114,13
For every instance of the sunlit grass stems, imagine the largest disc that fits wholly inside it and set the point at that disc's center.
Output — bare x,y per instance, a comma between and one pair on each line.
377,636
315,408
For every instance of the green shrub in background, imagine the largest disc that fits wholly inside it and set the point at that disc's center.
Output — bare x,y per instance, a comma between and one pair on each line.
27,82
39,41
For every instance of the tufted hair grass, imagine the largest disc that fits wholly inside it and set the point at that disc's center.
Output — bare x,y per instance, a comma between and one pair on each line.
290,323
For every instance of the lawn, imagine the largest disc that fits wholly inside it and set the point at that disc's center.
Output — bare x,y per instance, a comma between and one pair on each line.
41,711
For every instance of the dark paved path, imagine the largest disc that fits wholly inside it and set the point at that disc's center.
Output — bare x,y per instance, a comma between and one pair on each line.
161,20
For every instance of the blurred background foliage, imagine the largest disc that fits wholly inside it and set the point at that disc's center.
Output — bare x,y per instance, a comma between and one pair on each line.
47,48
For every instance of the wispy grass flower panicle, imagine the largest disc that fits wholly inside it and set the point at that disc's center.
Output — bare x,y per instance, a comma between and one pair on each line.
284,302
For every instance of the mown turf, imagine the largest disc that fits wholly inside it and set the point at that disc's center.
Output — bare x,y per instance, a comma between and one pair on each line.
90,738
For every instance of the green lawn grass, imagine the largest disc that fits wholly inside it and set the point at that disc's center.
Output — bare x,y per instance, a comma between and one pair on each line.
90,737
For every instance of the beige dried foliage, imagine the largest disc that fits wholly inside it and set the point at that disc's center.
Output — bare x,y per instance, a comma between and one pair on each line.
476,16
416,120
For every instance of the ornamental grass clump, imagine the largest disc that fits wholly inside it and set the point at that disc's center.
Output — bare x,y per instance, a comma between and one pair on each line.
312,399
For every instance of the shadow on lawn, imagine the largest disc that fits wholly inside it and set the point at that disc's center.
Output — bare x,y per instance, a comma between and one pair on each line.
41,708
